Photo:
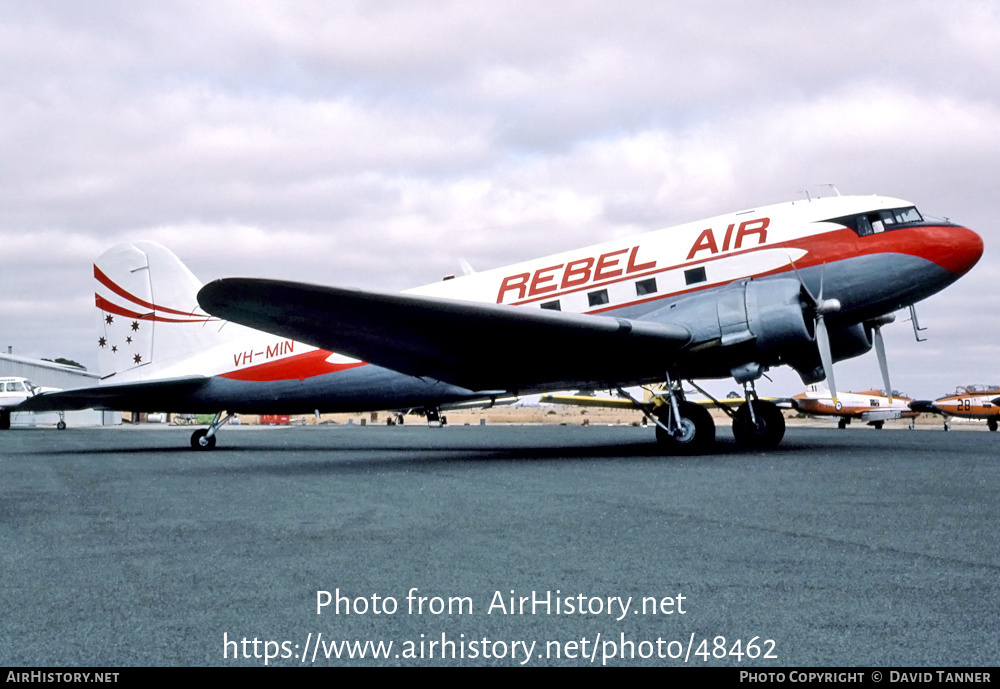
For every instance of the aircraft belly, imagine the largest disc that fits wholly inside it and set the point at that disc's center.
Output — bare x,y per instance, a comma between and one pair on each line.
366,388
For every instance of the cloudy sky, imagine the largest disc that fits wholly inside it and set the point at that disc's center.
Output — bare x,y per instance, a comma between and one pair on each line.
376,144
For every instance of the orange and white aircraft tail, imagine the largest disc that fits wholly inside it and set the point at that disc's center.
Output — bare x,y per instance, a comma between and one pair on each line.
149,319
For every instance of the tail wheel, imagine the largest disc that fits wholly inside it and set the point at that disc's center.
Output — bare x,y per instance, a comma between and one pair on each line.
697,432
200,440
768,430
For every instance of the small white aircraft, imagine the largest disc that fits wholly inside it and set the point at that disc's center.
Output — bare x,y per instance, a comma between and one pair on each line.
802,284
14,391
873,407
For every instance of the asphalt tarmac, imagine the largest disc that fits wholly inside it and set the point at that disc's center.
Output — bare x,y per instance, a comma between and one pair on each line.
850,548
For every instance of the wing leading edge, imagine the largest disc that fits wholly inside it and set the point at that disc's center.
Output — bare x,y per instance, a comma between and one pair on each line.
474,345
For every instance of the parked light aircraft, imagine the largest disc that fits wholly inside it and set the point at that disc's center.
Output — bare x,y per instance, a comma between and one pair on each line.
874,407
968,402
804,284
14,391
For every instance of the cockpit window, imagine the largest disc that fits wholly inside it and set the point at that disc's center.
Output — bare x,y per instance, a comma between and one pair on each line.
875,222
905,215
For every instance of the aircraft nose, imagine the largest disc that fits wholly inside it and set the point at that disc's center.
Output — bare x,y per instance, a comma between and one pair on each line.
959,249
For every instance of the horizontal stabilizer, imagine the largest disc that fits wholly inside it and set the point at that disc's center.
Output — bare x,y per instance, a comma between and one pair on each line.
170,395
475,345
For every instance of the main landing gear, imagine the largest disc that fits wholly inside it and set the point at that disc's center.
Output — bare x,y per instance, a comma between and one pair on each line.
682,427
204,438
686,428
758,424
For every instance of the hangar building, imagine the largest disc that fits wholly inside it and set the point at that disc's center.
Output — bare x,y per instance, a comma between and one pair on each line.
48,374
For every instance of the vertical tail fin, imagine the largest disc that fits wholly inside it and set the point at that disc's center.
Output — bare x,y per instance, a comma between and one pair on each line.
149,315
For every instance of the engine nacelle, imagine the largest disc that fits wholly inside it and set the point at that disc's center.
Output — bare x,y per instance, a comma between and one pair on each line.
745,328
845,343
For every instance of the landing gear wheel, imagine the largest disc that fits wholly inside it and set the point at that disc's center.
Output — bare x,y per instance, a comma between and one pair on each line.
61,425
992,423
200,441
842,424
766,433
697,431
5,421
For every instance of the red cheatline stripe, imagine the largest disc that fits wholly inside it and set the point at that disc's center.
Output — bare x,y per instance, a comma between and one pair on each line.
120,291
107,306
298,367
927,242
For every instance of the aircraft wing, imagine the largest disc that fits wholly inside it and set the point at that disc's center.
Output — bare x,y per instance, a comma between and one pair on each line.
589,401
475,345
170,394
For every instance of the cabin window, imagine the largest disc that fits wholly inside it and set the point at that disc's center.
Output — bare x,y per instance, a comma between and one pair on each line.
552,305
694,276
643,287
598,298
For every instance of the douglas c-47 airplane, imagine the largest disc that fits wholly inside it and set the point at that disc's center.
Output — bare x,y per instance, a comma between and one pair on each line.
802,284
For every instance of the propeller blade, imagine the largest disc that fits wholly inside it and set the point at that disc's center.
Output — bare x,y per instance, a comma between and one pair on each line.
883,363
826,356
802,283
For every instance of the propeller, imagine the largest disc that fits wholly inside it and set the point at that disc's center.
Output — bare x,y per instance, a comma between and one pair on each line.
883,364
821,308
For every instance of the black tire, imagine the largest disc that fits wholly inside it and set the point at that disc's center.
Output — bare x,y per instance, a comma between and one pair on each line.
61,425
992,423
4,420
200,442
698,434
768,431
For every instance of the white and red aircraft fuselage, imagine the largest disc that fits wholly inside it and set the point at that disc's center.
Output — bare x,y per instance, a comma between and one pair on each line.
803,284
